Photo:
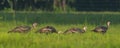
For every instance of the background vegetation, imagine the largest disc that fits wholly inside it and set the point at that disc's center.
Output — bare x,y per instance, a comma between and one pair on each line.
62,14
60,5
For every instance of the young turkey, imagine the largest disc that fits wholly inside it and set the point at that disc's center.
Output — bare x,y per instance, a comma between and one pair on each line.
47,29
22,29
76,30
102,29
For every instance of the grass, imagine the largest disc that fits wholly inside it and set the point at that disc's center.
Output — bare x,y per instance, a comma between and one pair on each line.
61,22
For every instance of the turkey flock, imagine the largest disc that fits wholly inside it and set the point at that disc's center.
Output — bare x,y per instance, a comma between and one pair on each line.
51,29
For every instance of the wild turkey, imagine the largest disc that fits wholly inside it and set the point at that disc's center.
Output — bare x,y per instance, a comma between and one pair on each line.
102,29
76,30
22,29
47,29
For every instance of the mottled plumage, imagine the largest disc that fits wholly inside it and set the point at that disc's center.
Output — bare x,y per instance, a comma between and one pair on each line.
47,29
75,30
101,29
20,29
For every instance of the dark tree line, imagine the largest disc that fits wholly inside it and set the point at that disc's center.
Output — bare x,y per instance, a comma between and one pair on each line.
62,5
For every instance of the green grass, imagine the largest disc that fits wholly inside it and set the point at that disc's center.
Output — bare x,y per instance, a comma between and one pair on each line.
61,22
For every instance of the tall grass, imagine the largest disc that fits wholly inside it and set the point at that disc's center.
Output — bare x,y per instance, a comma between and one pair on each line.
61,22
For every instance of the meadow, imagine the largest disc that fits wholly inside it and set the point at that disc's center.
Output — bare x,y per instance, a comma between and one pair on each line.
61,21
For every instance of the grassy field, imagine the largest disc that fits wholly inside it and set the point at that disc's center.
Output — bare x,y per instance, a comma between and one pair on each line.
61,22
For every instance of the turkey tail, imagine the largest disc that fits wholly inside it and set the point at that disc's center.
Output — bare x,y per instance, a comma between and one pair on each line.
10,31
92,30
